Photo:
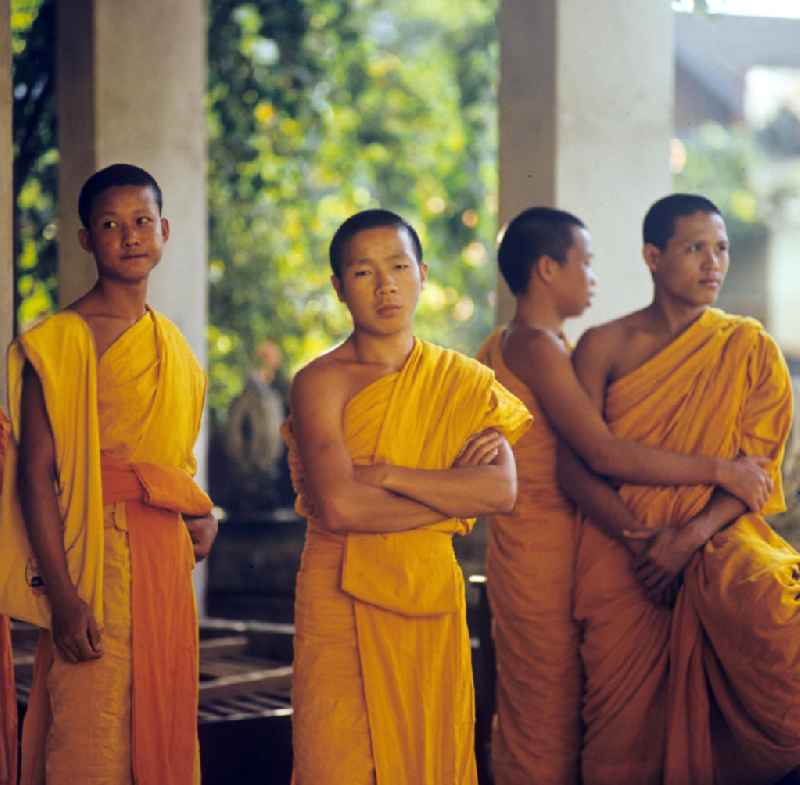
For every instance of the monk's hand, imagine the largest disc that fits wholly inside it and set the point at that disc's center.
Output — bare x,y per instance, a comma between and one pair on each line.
479,450
75,631
203,531
748,479
660,565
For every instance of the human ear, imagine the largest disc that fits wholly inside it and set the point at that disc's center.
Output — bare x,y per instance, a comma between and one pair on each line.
546,268
165,229
336,282
85,239
651,255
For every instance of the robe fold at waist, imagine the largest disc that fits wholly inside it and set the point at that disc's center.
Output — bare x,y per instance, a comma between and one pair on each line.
163,616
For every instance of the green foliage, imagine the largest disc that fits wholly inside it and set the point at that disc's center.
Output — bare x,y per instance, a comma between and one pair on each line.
35,159
719,164
318,109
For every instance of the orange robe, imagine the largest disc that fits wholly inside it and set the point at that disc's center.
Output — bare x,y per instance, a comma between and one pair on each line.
707,694
530,566
382,673
8,693
123,429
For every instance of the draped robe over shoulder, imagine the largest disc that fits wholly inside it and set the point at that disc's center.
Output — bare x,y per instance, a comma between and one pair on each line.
8,695
530,568
123,426
382,681
707,694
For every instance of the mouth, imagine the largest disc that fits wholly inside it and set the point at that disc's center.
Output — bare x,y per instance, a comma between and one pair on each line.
711,283
129,257
389,309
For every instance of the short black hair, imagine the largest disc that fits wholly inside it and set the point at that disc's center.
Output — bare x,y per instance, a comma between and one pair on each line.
111,177
535,232
659,223
368,219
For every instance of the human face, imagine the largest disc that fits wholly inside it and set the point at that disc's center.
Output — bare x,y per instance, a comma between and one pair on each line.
126,234
575,280
380,279
692,267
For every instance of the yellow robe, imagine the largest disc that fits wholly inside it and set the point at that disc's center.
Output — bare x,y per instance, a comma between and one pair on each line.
123,428
8,695
708,693
382,674
530,567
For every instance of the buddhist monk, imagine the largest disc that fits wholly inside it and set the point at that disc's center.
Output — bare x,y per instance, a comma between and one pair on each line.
707,691
8,695
105,402
395,445
545,257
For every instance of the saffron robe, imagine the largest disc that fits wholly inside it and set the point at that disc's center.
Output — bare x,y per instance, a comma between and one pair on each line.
8,693
530,568
382,674
707,693
123,428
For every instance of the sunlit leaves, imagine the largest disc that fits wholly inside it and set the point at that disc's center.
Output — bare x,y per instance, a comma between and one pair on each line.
370,103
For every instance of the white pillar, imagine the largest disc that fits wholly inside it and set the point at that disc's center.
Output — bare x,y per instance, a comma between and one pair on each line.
586,104
131,89
6,195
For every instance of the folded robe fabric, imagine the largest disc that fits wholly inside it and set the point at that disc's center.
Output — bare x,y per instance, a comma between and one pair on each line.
382,682
123,426
709,692
530,568
8,694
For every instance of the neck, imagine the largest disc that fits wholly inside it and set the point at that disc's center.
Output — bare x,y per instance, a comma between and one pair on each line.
537,310
671,316
125,300
389,350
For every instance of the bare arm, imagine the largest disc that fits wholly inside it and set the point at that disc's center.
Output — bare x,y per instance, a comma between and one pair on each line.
595,497
462,491
75,631
572,397
340,501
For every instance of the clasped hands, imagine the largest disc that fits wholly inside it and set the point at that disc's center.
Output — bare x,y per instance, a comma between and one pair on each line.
660,555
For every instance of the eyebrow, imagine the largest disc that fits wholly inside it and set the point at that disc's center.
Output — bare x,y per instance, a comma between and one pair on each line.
368,260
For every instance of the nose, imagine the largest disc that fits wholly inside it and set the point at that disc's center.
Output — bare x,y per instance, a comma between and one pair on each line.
129,235
714,258
386,283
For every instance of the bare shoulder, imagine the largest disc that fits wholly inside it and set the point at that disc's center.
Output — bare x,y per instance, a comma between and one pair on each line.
325,373
603,339
532,343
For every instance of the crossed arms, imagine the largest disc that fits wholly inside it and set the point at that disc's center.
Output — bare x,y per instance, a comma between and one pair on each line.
659,555
382,498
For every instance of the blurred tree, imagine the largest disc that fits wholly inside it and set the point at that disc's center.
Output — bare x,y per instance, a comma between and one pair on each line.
719,162
318,109
35,158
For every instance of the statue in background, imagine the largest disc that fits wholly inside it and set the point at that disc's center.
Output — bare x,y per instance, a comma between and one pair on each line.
248,459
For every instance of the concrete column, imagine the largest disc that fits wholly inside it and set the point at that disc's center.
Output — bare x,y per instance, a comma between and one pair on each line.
6,195
586,104
131,89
